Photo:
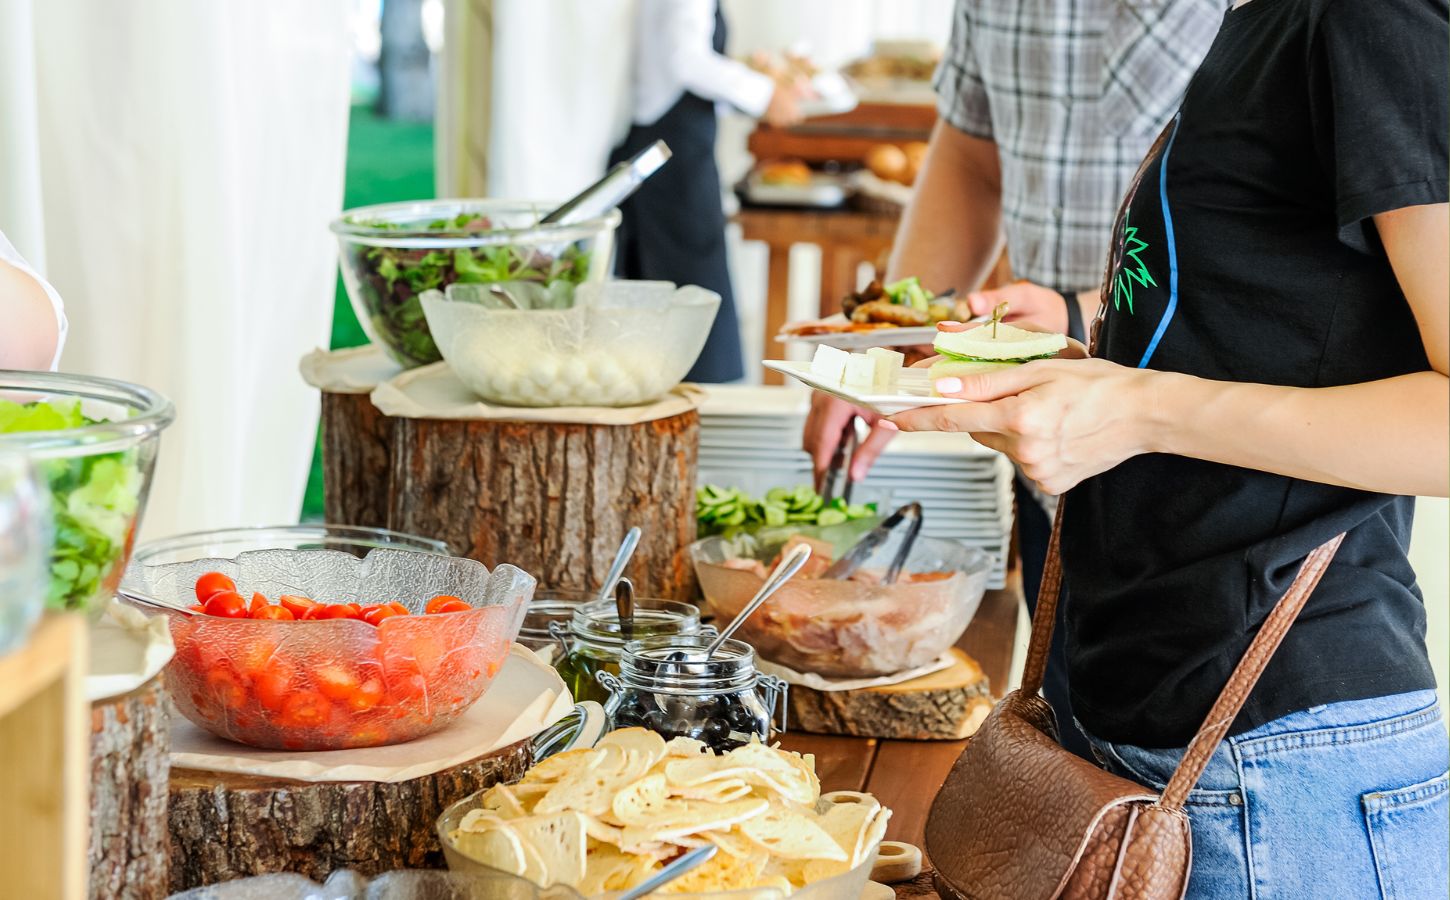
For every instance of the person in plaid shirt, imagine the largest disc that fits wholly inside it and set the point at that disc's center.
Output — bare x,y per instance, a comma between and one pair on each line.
1046,109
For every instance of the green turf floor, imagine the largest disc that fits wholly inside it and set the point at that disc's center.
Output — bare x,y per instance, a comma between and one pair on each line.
386,161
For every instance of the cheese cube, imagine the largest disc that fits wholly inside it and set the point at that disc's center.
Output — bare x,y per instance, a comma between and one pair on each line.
889,364
829,365
860,373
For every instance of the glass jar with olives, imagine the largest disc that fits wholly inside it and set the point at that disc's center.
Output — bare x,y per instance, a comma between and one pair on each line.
594,639
669,686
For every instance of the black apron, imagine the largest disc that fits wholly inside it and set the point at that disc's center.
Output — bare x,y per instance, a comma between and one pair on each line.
673,228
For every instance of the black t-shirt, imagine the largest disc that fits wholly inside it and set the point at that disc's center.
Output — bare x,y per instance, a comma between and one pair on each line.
1250,255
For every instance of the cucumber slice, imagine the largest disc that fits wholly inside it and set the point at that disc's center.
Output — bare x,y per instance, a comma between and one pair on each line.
830,517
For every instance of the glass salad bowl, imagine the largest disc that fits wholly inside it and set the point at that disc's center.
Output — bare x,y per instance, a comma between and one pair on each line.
847,629
332,684
621,343
391,253
93,443
228,542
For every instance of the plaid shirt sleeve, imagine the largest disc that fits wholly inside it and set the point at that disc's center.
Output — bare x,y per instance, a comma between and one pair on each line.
961,94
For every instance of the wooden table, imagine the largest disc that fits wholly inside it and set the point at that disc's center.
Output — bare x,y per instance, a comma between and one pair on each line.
905,775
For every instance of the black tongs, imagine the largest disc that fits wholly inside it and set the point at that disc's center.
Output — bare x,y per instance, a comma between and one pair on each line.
847,565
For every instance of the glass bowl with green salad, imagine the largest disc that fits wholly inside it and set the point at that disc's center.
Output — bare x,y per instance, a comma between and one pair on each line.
393,252
93,443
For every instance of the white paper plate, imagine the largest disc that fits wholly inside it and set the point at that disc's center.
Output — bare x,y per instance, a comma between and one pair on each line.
914,391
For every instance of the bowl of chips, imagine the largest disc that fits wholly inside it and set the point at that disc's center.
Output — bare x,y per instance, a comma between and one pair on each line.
606,818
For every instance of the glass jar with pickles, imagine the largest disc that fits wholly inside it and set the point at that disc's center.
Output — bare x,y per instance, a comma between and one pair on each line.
594,640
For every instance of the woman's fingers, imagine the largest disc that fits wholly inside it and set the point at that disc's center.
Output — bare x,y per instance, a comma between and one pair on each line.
866,454
956,417
995,385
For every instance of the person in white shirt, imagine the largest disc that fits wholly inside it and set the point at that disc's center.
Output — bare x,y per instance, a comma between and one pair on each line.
34,326
674,226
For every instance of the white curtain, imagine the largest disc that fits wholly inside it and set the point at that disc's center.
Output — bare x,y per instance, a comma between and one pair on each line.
532,96
190,155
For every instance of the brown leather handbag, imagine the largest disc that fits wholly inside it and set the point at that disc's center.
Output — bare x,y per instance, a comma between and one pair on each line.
1020,817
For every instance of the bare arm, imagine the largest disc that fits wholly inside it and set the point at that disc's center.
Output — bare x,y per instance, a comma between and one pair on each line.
1067,420
951,233
30,332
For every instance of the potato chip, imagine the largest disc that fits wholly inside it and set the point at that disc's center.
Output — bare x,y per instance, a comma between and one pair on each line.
848,824
645,745
502,800
686,747
602,831
591,789
723,790
791,835
561,764
558,840
605,868
497,847
478,819
640,802
732,842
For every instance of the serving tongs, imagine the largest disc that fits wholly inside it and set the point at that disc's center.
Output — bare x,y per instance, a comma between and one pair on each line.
852,560
611,190
838,470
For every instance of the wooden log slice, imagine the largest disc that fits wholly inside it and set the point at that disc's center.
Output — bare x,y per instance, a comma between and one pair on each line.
553,499
945,705
356,460
130,759
226,826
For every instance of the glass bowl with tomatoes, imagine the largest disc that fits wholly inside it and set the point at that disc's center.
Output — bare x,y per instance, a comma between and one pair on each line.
325,650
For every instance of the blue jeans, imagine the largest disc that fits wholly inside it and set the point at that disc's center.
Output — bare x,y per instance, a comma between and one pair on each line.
1347,800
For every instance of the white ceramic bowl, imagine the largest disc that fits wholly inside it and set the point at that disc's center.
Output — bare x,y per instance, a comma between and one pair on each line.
622,343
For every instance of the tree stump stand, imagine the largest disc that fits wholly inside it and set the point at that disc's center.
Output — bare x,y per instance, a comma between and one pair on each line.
226,826
130,759
553,499
946,705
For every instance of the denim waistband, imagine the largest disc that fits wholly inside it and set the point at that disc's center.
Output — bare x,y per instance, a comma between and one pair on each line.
1345,722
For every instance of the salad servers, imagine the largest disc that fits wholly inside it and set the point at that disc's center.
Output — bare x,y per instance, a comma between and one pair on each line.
611,190
669,873
621,559
783,573
852,559
154,602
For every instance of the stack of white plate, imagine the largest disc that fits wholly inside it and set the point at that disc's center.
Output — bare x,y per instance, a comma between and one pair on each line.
750,437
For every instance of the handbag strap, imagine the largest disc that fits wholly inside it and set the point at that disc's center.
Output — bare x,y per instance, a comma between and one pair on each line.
1245,675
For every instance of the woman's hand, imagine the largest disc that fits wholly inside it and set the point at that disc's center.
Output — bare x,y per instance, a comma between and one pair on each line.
1061,420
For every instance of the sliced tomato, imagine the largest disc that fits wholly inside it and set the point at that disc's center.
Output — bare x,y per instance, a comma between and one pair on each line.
368,695
452,606
225,688
197,607
434,604
367,736
339,611
335,682
305,709
375,614
273,685
296,605
259,603
253,658
400,609
278,613
227,604
213,583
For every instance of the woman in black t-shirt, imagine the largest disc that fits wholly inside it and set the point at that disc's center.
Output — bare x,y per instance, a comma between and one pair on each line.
1273,354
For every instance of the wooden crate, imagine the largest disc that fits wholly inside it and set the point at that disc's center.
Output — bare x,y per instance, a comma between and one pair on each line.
44,759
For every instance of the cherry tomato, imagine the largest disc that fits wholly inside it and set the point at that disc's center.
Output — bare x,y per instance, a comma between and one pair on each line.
368,694
296,605
274,685
339,611
400,609
375,614
335,682
438,601
452,606
367,736
313,612
253,658
227,604
213,583
197,607
305,709
225,688
259,603
279,613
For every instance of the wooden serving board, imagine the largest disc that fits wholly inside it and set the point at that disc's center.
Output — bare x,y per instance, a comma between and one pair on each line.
226,826
946,705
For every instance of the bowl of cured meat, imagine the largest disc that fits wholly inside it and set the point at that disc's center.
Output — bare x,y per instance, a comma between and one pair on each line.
854,628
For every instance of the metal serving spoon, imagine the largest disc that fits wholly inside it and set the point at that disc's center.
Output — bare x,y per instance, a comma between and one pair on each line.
783,573
155,602
621,559
669,873
624,607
